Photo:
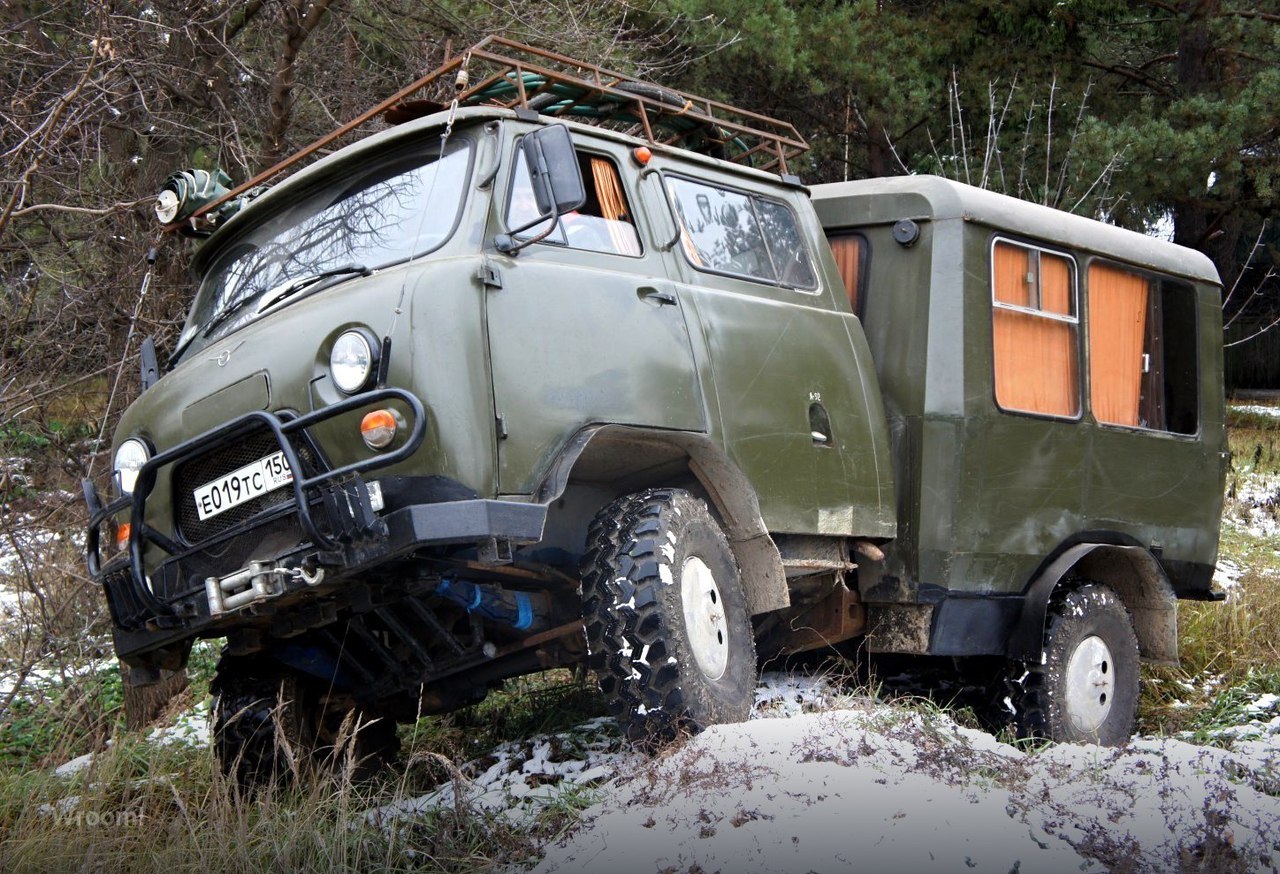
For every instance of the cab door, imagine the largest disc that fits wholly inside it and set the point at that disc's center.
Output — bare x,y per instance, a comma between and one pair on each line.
583,325
795,402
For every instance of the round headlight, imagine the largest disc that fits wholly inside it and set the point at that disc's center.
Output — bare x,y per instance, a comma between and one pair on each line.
351,362
130,457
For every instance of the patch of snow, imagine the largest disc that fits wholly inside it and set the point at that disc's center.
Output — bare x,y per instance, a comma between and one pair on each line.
27,543
876,789
519,779
1226,576
190,728
1264,703
73,767
1256,409
819,780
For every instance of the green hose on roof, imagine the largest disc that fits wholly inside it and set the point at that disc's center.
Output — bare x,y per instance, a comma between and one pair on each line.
562,100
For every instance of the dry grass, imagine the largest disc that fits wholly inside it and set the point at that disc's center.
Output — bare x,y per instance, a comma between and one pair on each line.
143,808
1230,651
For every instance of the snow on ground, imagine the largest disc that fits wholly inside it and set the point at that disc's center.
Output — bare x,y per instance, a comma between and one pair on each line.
875,789
819,781
520,778
1256,409
1255,504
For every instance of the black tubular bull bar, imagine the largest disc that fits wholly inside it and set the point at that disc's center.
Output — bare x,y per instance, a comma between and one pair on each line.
226,434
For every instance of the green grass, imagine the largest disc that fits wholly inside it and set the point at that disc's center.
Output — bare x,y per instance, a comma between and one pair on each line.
142,807
1230,651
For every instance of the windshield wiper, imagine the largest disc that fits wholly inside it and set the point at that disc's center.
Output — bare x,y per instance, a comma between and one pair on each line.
224,314
293,286
280,292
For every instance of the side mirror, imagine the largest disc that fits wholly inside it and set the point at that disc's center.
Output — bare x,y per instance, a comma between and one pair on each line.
555,178
553,170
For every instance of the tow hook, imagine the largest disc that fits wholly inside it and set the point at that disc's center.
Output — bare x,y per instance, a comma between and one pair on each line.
257,582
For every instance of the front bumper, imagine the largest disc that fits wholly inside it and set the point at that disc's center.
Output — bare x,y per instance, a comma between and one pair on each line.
162,590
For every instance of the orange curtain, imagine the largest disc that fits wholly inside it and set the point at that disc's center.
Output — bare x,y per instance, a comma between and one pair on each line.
848,251
1117,328
1036,368
1013,275
613,206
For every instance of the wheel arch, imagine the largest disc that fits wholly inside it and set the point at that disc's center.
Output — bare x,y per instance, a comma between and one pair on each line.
631,458
1129,570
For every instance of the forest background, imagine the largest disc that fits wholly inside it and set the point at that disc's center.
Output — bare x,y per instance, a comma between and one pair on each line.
1158,116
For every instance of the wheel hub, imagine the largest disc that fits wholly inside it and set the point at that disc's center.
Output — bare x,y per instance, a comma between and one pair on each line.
1090,684
704,618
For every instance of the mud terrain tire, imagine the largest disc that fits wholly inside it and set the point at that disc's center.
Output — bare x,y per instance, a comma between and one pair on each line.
272,726
1085,689
668,633
259,727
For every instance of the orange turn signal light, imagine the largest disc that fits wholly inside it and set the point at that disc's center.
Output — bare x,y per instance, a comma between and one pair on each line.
379,428
641,155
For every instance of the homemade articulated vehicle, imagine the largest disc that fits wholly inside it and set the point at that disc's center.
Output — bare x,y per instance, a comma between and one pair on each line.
573,370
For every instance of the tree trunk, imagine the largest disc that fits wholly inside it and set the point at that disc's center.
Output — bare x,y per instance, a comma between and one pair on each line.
142,704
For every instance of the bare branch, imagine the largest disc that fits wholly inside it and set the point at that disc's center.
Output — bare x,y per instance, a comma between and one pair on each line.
83,210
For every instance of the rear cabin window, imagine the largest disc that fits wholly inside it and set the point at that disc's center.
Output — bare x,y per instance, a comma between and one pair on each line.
727,231
1142,350
850,251
1035,323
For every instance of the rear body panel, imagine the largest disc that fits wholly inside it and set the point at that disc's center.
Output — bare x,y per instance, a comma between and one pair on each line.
987,497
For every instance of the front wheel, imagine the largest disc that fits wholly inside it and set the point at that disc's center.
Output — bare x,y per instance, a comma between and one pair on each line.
273,726
1085,689
668,632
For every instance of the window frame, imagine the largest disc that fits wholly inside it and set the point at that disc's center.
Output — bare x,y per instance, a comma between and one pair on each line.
518,158
1081,361
338,185
812,290
1157,280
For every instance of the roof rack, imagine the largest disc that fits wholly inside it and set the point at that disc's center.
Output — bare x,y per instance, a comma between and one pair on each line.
515,76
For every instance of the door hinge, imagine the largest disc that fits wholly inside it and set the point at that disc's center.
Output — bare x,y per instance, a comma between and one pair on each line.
501,422
489,275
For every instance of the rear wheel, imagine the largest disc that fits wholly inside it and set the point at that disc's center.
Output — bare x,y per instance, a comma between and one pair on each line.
1085,689
668,631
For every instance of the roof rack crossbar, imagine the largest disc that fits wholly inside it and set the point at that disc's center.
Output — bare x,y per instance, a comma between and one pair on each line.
514,74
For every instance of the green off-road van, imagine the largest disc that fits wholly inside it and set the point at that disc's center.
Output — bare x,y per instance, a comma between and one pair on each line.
573,370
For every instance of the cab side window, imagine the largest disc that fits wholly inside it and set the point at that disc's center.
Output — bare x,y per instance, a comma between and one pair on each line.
727,231
1035,327
604,223
1142,350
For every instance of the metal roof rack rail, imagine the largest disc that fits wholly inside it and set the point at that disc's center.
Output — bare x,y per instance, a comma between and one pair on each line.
516,76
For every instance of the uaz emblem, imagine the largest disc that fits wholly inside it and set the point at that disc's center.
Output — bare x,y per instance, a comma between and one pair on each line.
225,355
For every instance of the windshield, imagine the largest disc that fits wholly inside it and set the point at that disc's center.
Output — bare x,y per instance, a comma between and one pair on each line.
388,212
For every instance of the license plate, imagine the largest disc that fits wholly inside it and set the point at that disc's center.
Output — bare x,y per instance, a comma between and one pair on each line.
262,476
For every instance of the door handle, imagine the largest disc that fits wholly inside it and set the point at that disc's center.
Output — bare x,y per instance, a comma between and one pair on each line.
656,296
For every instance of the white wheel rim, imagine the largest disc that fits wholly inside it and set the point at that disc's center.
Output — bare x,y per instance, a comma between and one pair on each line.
1090,684
704,617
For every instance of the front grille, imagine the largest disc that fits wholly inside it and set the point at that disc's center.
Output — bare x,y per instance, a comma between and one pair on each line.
195,473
